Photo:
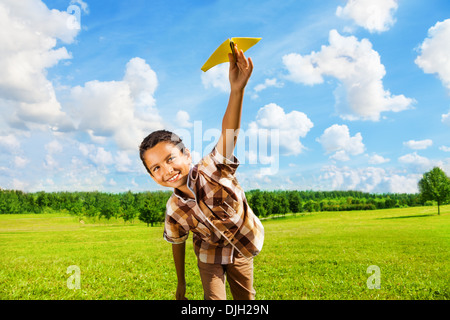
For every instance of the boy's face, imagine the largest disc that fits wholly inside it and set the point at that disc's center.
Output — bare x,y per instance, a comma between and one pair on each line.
169,167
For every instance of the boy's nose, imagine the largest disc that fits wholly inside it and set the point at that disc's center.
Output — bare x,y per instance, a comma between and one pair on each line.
168,170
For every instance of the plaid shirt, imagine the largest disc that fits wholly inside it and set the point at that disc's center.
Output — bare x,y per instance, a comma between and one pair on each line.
220,219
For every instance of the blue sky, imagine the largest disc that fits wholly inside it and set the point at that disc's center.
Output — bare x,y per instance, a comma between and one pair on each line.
350,94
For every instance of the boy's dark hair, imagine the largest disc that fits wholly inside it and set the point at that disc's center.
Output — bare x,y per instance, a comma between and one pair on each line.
156,137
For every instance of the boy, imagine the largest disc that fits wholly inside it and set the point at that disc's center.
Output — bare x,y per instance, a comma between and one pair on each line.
208,201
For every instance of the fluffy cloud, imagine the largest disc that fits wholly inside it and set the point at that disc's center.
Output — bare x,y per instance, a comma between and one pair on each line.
142,82
336,139
20,162
375,16
289,126
9,143
217,77
446,119
29,36
377,159
123,162
418,163
267,83
418,145
368,179
54,147
435,52
123,109
182,119
357,66
97,155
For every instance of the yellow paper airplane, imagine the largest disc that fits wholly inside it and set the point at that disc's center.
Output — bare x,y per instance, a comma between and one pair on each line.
221,54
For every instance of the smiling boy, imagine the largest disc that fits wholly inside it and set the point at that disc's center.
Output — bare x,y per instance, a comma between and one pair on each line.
208,201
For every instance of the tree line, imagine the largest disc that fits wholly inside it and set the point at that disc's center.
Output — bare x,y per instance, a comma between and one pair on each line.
150,206
267,203
146,206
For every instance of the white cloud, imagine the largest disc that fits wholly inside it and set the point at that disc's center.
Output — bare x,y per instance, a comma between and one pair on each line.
418,145
20,162
267,83
123,109
53,147
404,184
81,176
289,126
446,119
337,139
444,148
182,119
368,179
435,52
19,185
104,106
340,156
29,36
303,69
85,149
102,157
50,163
375,16
357,66
142,81
217,77
9,143
377,159
418,163
123,162
415,159
98,155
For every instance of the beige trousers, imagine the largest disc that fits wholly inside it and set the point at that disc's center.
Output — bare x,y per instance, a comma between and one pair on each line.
238,274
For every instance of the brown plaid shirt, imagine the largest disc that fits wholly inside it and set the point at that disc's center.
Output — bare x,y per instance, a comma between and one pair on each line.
220,219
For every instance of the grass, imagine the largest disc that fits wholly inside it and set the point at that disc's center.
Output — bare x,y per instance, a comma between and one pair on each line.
312,256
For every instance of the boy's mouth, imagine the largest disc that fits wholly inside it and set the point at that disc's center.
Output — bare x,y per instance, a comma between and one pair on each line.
174,178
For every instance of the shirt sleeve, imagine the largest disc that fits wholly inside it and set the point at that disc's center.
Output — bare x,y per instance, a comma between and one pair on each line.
228,164
174,232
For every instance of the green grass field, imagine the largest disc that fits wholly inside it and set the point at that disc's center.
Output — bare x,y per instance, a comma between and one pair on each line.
312,256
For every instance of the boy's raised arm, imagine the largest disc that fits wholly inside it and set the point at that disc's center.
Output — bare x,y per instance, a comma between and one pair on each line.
240,71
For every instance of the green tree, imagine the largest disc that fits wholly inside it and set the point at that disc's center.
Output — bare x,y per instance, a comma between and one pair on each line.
256,202
150,211
435,185
295,202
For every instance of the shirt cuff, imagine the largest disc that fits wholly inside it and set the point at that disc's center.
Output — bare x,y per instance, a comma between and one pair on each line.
175,240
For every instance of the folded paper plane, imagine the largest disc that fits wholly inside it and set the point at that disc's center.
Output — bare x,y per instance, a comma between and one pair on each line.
221,54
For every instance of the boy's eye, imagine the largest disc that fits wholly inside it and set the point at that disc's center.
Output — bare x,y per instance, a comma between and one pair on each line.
155,169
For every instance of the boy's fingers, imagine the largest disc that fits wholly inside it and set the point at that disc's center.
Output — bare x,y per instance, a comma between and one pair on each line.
250,63
240,60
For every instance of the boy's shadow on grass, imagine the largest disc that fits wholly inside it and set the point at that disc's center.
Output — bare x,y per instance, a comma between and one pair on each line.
405,217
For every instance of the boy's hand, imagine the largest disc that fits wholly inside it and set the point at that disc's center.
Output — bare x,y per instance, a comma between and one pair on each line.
240,69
